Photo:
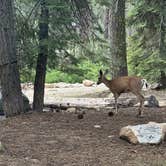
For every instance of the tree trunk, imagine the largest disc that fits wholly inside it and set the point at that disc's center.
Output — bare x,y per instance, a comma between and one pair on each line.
9,77
84,15
162,44
106,23
118,38
38,98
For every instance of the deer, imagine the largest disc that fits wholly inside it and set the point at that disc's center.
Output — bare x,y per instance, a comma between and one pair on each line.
124,84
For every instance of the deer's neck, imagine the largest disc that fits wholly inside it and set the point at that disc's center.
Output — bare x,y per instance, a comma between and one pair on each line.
107,82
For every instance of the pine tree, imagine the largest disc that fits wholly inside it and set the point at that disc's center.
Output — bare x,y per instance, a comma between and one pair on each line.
118,38
9,77
38,99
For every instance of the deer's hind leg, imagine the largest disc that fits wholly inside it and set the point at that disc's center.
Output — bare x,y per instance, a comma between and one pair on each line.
116,95
141,100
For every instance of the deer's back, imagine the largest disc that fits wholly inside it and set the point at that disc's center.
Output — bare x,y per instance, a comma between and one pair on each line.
125,84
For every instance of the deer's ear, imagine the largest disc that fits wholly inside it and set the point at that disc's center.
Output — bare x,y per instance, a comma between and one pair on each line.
101,73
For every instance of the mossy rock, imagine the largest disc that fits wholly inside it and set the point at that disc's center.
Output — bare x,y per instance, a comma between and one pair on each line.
25,102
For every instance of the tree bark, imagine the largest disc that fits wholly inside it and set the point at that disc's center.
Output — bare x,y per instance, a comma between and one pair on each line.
162,44
9,77
38,98
106,23
118,38
84,15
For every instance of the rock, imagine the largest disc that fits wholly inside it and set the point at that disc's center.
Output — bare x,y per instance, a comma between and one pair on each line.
151,102
71,110
49,85
97,126
66,85
156,86
151,133
127,133
26,103
27,85
87,83
130,102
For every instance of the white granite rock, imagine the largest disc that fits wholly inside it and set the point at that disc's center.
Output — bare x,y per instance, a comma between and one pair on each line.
71,110
151,133
87,82
151,102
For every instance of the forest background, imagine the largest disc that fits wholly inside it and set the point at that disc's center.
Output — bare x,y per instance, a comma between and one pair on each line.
79,39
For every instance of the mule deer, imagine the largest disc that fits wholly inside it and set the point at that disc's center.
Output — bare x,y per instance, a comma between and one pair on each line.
124,84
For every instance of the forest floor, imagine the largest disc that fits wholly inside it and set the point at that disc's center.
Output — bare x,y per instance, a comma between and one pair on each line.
61,139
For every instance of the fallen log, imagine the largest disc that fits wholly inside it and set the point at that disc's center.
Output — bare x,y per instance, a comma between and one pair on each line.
89,103
65,107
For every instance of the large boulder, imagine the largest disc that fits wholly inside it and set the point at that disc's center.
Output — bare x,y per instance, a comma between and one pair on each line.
151,133
156,86
151,102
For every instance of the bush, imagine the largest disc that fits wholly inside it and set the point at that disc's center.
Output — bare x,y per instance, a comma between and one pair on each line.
59,76
90,70
84,70
27,75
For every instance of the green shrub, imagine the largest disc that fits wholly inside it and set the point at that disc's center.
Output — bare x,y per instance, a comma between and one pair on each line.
90,69
59,76
27,75
84,70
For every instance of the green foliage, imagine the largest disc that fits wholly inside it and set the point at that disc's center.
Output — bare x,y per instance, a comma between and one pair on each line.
27,75
59,76
70,57
103,2
143,44
66,46
90,70
84,70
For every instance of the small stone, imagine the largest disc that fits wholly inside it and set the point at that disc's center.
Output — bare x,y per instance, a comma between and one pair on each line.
36,161
134,151
87,83
71,110
97,126
80,116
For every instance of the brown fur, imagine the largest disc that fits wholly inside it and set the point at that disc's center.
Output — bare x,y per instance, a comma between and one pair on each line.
124,84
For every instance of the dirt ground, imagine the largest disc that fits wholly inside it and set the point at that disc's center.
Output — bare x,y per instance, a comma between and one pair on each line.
61,139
